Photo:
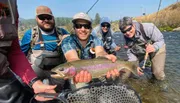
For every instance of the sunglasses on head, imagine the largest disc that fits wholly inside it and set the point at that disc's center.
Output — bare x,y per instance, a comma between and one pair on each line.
105,25
45,17
124,31
79,26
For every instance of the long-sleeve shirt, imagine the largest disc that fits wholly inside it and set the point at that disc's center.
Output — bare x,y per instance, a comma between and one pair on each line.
19,63
97,32
152,32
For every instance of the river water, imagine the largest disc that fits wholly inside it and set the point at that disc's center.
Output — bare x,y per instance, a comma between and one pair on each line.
150,92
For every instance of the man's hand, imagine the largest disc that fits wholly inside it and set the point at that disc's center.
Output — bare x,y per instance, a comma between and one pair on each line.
112,73
140,71
111,57
117,48
39,87
150,48
82,77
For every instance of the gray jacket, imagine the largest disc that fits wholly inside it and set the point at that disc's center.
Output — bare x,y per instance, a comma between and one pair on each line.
152,32
97,32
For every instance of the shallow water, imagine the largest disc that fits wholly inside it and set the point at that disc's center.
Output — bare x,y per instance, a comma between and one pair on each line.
150,92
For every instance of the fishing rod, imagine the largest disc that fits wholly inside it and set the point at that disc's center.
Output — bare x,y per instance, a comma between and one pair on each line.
92,6
146,55
89,10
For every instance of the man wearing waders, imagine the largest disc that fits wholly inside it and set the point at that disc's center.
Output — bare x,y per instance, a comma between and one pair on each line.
13,61
145,38
41,45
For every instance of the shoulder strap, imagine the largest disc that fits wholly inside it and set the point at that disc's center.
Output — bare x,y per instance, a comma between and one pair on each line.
34,36
143,32
59,34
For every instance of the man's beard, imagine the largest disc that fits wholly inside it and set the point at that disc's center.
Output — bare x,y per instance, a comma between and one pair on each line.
46,29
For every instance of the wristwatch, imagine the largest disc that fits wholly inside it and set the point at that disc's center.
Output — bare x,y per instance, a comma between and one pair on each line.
33,81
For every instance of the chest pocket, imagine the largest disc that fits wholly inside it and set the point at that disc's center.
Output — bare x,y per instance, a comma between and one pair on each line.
45,60
138,48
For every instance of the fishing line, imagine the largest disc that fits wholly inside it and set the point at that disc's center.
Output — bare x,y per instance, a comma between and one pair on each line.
157,15
146,55
92,6
87,12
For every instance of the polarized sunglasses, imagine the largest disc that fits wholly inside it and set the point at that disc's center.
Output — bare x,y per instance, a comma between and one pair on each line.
124,31
45,17
79,26
105,25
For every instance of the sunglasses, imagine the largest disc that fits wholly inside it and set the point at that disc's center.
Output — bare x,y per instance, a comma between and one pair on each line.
124,31
79,26
45,17
105,25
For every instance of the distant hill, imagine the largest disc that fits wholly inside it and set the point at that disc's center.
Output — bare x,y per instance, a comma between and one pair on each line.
167,18
25,24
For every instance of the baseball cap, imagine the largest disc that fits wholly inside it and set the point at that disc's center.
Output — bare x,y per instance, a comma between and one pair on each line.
43,10
82,16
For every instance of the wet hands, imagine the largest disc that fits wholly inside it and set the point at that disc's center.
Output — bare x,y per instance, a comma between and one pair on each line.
117,48
39,87
150,48
82,77
85,77
140,71
111,57
112,73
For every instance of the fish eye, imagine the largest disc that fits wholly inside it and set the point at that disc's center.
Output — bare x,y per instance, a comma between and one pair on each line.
61,69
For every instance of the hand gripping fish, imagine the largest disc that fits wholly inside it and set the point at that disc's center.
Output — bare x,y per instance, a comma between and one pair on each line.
97,67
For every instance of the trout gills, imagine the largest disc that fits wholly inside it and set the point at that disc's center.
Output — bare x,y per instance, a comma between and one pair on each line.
97,67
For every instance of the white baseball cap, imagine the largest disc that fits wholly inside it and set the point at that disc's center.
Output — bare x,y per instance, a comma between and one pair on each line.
82,16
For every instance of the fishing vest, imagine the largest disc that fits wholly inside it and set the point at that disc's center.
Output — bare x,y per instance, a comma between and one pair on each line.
138,46
107,41
91,51
8,30
42,58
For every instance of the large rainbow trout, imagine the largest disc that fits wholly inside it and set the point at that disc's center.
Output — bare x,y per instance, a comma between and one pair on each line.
97,67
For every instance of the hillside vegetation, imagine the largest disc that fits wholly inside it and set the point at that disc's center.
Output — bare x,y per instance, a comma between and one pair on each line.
166,19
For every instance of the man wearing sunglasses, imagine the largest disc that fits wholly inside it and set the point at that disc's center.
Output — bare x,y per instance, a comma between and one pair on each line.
13,61
82,45
142,38
41,44
104,32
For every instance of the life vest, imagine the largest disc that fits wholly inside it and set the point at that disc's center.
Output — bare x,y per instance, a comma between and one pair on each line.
42,58
138,46
8,20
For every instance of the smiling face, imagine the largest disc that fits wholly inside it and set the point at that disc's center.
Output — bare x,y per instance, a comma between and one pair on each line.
45,22
129,31
105,27
82,29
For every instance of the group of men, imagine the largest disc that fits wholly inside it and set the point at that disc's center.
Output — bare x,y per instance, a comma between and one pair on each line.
46,46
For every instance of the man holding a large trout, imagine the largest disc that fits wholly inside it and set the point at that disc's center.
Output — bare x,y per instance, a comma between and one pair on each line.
82,45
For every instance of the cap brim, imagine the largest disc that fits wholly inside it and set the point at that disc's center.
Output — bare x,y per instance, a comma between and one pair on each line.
80,19
44,14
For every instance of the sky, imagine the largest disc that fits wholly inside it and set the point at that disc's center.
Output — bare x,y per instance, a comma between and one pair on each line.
114,9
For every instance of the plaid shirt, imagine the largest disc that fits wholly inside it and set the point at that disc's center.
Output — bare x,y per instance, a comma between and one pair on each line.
72,43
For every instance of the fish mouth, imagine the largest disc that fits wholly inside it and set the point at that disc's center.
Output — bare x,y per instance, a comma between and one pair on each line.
57,75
